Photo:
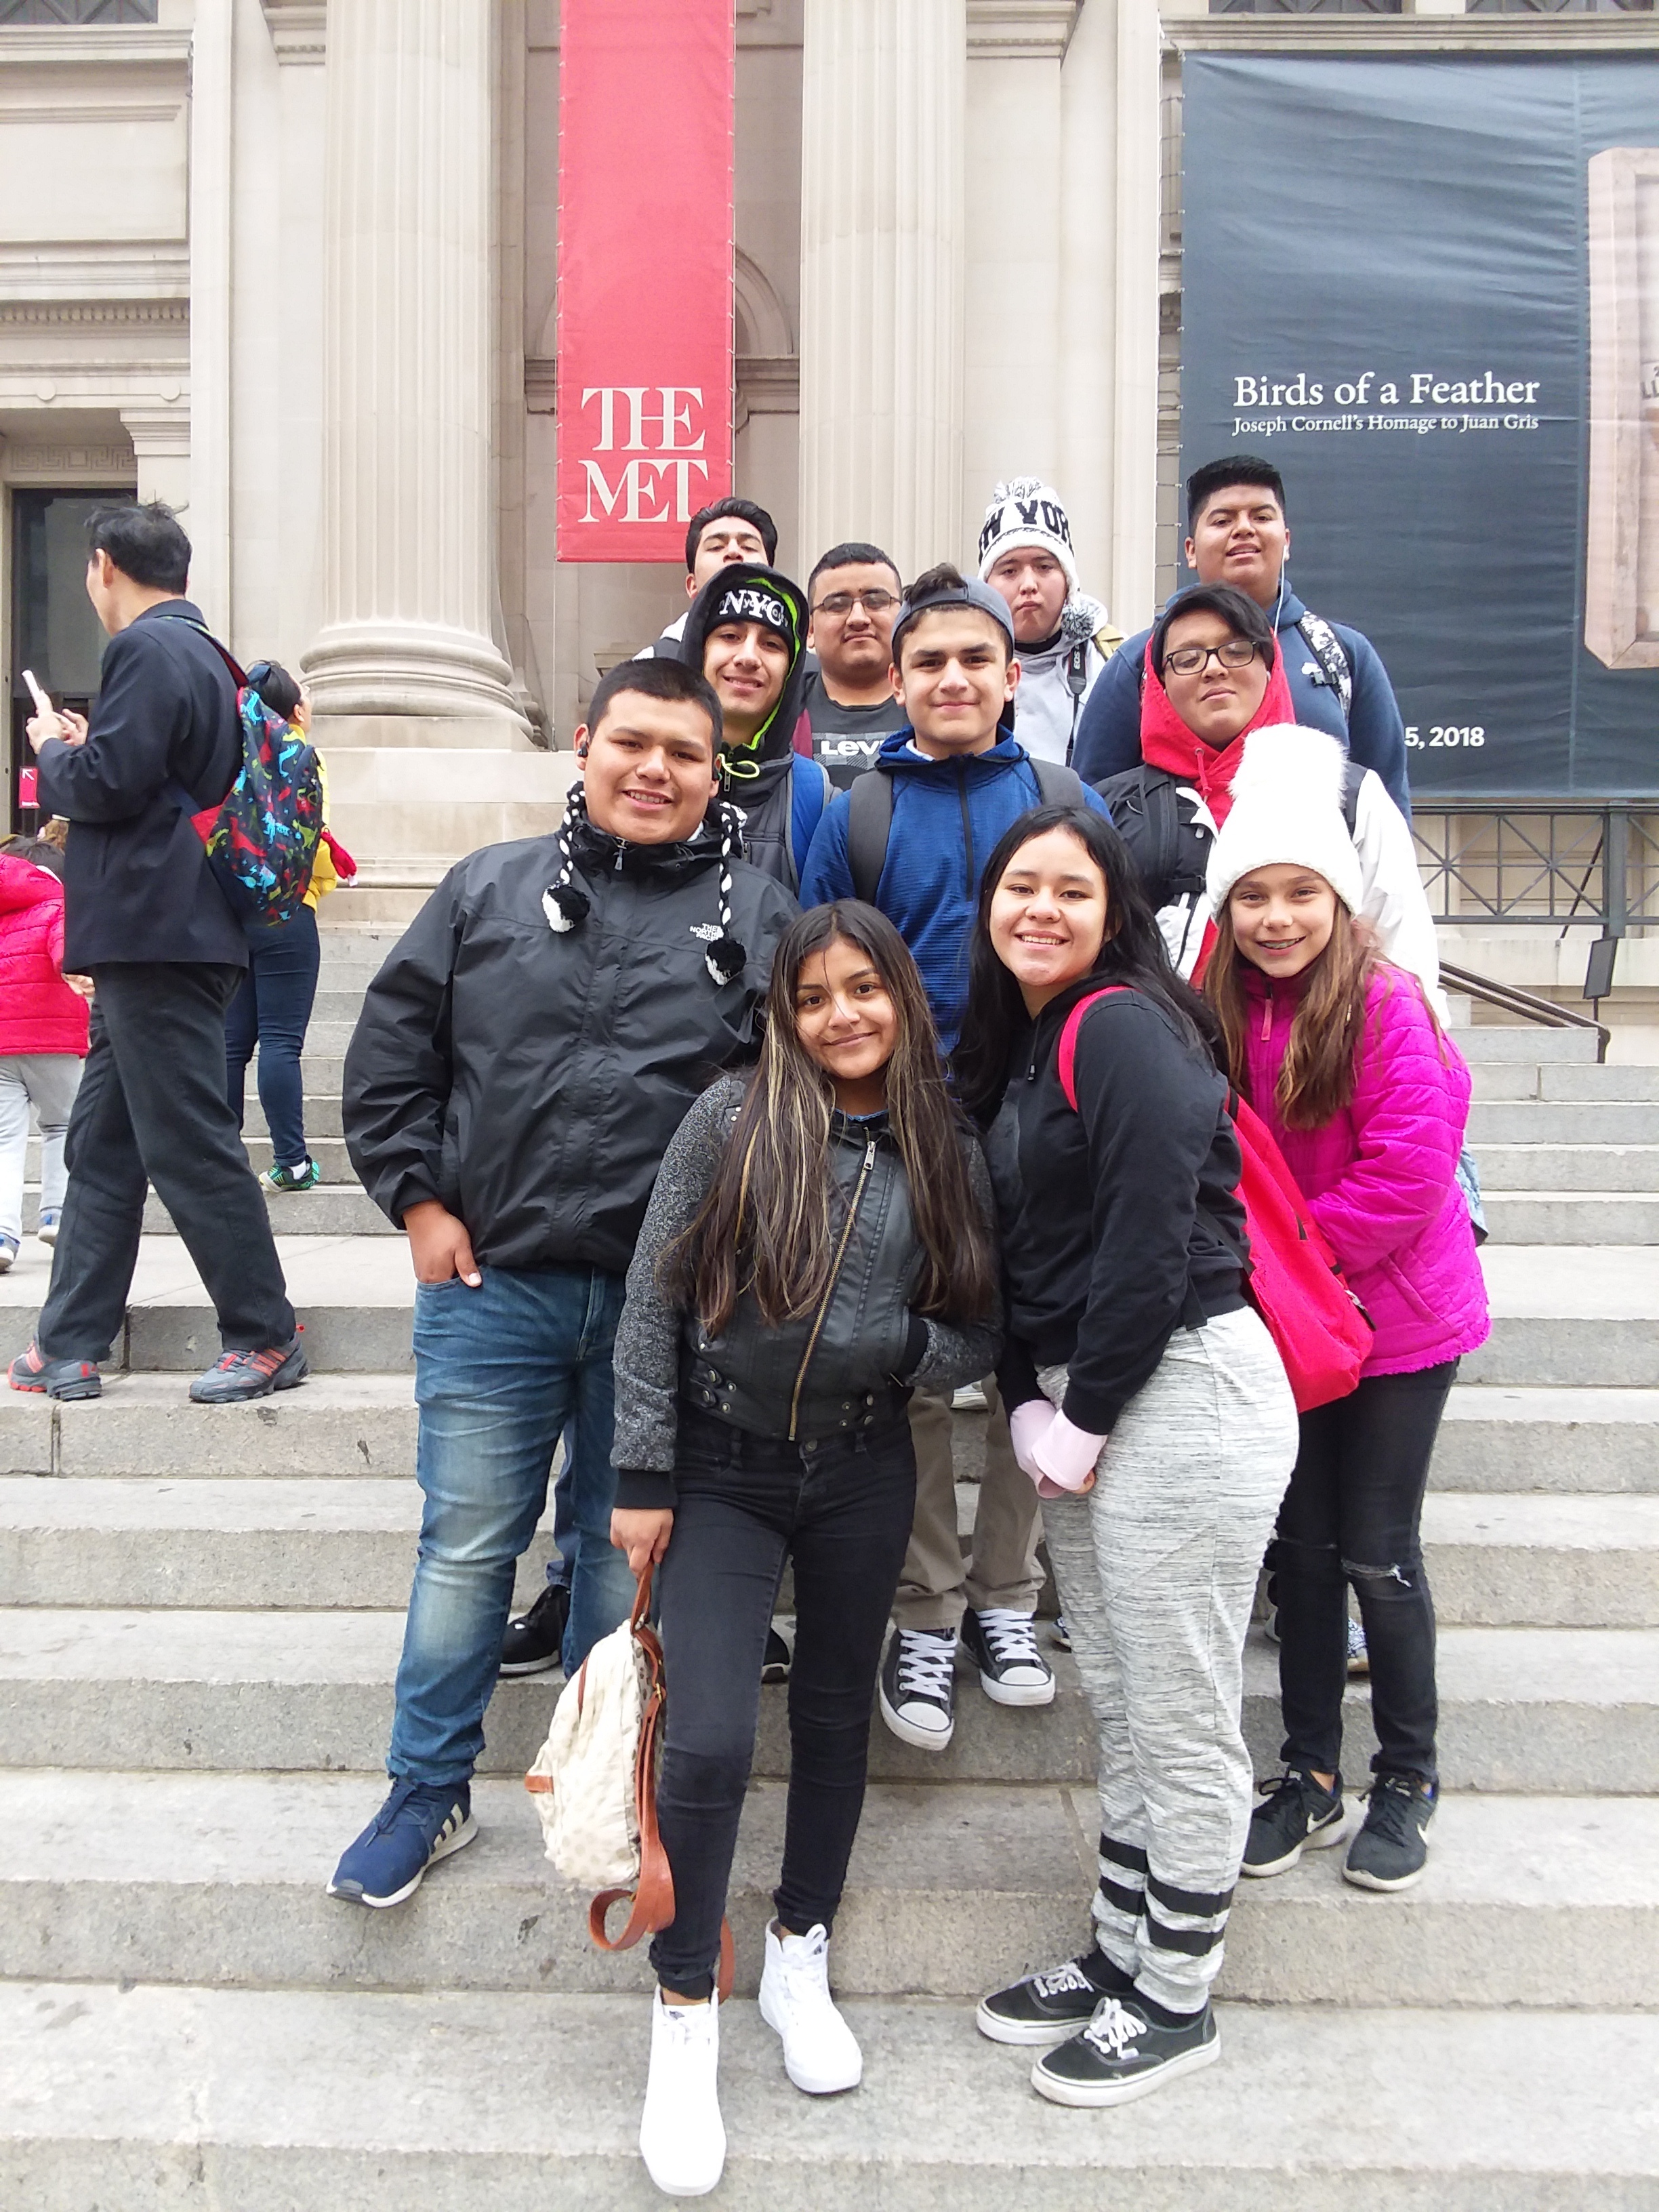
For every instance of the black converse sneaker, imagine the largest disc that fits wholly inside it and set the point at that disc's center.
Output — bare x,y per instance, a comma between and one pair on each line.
1392,1848
1297,1816
1048,2007
919,1688
1124,2053
1003,1645
533,1644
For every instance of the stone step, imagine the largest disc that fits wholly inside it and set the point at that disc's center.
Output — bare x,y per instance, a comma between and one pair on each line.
321,1116
329,1152
1569,1167
1556,1711
332,1209
1570,1315
295,1543
143,1426
1480,1043
1568,1217
1578,1121
1521,1440
1516,1079
1492,1439
306,1544
954,1889
151,2098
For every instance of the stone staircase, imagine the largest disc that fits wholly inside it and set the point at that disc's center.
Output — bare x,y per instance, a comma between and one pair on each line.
200,1614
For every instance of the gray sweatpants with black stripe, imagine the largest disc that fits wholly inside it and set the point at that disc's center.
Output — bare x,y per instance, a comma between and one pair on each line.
1157,1569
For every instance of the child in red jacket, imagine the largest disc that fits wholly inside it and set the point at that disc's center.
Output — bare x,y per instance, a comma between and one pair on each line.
43,1035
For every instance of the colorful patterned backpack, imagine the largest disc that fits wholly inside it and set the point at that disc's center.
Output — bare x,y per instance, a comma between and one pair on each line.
262,838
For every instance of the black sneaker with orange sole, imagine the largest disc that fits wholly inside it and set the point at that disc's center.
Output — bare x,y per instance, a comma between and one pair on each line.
238,1375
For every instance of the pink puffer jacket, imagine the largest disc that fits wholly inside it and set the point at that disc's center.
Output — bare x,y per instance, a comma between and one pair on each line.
1381,1177
39,1012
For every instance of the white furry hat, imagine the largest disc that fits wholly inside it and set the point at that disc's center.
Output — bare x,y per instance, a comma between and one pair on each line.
1287,812
1027,512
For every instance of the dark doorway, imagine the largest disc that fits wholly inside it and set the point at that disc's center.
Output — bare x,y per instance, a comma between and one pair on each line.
54,631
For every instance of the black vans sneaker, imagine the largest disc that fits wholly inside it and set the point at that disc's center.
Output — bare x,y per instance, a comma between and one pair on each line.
779,1656
1392,1848
1297,1816
533,1642
917,1687
1124,2053
1048,2007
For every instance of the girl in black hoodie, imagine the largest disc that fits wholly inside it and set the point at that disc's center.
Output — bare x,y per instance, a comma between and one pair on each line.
1149,1406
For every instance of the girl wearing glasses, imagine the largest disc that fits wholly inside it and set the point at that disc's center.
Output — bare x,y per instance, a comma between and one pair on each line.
1214,674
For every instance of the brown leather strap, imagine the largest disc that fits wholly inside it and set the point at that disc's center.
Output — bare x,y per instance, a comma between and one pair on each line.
651,1901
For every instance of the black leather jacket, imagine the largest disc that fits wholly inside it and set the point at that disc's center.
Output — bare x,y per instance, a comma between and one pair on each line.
849,1365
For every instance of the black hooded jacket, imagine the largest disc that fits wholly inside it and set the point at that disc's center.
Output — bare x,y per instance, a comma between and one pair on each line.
756,777
531,1079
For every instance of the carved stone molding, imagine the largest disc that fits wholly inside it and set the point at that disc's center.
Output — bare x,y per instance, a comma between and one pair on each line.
540,383
768,384
299,30
24,464
94,314
1020,30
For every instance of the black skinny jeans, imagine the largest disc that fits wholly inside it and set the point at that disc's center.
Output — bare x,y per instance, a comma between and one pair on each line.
842,1509
1354,1514
272,1010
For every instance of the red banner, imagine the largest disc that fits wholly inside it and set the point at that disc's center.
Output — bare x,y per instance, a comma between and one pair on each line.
646,97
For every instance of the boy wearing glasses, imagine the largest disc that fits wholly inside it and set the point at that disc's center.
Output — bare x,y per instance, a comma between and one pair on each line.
853,598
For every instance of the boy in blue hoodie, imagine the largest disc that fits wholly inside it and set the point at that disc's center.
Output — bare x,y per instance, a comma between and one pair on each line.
955,778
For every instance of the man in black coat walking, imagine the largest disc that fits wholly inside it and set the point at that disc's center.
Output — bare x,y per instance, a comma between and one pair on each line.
146,919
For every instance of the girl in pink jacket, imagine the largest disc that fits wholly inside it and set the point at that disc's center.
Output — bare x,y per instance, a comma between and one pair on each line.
43,1035
1368,1097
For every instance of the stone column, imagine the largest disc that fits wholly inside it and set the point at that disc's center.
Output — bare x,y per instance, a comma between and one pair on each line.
881,378
408,533
207,518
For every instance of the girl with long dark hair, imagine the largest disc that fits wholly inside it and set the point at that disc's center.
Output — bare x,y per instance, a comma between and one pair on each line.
1149,1406
818,1243
1341,1054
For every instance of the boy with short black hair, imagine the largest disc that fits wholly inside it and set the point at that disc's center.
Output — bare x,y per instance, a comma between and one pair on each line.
520,1063
1237,534
853,594
911,836
725,531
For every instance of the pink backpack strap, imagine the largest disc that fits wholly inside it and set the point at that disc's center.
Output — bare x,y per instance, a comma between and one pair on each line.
1066,1061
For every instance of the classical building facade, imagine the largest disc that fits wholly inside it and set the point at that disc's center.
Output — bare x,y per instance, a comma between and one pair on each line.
292,267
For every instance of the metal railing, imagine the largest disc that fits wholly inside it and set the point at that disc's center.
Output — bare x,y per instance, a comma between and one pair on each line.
1526,1003
1545,864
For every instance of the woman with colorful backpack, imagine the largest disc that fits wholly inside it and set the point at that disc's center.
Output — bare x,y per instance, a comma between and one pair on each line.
1342,1056
817,1245
272,1009
1149,1406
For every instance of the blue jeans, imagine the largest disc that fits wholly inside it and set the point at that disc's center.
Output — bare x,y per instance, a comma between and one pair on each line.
498,1372
273,1010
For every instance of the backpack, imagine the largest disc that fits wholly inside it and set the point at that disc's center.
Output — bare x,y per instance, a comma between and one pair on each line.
810,792
1170,854
870,817
594,1782
262,837
1293,1278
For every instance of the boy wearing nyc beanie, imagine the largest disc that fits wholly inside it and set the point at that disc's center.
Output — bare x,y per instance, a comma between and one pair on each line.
1062,635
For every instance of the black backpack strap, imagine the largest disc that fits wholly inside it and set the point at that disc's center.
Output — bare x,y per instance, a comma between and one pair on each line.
869,821
238,672
1326,646
1056,786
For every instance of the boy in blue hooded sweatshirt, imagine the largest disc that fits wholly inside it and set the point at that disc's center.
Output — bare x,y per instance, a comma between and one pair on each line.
911,836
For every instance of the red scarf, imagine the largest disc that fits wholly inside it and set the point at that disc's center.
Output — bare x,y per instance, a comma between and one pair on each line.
1167,743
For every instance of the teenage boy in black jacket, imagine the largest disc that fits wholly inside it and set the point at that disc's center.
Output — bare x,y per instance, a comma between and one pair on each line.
145,919
520,1063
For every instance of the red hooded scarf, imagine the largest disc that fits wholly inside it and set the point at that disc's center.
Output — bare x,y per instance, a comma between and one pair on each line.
1167,743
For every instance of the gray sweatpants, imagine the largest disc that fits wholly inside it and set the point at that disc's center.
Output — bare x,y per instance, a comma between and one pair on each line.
1156,1569
47,1081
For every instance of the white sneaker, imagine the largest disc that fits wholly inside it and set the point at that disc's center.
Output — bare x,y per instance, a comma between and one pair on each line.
820,2051
681,2136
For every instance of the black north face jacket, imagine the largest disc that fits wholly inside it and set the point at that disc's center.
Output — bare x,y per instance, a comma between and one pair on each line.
530,1079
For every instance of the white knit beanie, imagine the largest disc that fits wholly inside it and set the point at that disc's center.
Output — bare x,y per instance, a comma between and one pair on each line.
1287,812
1027,512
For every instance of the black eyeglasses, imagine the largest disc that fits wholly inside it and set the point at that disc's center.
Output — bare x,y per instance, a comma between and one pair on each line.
842,602
1232,652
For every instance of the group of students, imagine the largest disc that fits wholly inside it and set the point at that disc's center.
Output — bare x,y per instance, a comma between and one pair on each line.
743,1165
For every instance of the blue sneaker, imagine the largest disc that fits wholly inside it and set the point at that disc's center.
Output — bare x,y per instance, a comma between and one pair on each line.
8,1253
415,1827
46,1228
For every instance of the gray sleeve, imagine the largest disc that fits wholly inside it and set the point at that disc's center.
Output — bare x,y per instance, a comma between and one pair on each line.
646,1362
955,1356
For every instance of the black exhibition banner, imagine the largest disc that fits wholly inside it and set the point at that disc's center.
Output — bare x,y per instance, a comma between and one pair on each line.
1427,290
